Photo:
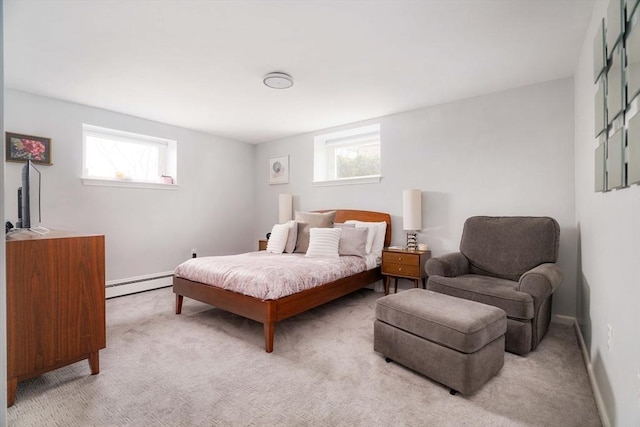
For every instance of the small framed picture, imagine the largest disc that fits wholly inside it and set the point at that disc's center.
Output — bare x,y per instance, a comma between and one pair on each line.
279,170
21,148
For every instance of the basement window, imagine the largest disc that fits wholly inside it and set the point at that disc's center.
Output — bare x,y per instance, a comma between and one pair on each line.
351,156
123,159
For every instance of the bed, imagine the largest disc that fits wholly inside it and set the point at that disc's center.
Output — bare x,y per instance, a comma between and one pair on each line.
269,311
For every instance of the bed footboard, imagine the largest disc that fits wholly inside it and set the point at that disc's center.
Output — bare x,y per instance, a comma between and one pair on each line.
246,306
268,312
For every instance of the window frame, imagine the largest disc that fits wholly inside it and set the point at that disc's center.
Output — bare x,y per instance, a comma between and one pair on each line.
167,158
324,148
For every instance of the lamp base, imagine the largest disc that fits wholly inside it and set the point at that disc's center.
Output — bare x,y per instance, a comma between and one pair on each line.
412,241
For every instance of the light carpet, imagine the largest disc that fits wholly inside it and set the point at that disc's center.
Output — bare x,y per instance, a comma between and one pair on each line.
207,367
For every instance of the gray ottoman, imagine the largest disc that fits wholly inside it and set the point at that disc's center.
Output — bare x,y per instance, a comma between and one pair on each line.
456,342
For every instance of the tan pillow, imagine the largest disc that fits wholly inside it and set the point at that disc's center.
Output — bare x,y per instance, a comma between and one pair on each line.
293,236
353,241
375,239
343,225
307,220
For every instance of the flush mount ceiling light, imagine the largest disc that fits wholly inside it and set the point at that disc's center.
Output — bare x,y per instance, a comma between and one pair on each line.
278,80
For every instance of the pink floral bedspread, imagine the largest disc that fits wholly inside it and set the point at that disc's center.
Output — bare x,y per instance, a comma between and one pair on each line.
269,276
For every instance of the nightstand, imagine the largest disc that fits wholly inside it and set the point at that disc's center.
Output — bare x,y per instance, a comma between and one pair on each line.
262,245
402,263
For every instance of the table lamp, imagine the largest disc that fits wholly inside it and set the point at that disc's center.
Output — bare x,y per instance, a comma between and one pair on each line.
285,208
411,216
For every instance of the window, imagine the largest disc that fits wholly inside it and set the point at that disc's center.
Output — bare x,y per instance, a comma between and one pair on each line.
346,157
114,157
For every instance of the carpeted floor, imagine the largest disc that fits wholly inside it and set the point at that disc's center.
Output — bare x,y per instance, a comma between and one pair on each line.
206,367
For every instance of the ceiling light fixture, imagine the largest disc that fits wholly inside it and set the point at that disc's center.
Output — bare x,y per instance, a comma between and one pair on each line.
278,80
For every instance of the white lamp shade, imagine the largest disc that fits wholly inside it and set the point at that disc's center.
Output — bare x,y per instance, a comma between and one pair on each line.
412,210
285,208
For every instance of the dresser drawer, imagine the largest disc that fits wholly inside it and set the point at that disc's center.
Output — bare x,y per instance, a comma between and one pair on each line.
412,270
400,258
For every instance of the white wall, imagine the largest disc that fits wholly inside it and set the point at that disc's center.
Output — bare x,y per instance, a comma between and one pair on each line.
508,153
3,286
147,231
609,258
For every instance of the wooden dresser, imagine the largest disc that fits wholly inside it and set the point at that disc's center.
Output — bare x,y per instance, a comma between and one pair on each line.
55,303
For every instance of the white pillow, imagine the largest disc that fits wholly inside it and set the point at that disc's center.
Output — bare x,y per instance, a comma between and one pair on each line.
378,242
343,225
278,239
323,242
375,239
292,238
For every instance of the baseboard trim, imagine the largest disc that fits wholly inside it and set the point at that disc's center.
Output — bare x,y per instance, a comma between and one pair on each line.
602,410
563,320
132,285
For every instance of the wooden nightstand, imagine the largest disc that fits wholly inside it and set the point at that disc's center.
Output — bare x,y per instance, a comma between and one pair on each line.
262,245
405,264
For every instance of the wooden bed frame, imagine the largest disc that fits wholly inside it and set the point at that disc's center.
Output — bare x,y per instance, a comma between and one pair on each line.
268,312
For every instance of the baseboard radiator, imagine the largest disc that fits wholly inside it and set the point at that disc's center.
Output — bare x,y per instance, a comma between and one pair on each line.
132,285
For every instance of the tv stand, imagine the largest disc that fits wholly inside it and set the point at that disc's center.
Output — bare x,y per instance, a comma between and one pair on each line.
55,303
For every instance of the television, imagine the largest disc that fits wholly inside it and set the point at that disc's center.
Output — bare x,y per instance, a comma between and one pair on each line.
29,214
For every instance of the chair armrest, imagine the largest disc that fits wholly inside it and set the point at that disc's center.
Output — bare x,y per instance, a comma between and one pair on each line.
449,265
541,281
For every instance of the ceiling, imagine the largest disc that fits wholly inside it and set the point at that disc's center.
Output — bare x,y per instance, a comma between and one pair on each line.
199,64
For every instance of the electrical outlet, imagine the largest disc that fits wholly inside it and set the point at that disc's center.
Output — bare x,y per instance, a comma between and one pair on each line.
610,337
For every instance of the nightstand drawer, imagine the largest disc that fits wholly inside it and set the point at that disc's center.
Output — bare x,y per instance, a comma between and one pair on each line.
412,270
400,258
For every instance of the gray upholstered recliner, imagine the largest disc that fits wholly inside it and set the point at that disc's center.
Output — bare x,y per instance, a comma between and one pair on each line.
507,262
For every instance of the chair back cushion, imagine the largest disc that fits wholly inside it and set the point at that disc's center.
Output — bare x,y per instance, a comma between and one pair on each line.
507,247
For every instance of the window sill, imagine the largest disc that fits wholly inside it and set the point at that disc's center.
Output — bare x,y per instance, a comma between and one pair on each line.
374,179
126,183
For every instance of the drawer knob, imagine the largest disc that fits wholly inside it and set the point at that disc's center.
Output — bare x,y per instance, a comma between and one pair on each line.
399,268
399,258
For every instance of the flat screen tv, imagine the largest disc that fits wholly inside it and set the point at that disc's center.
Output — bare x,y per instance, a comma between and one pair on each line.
29,215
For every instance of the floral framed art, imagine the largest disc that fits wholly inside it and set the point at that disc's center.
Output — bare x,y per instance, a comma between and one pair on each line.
279,170
21,148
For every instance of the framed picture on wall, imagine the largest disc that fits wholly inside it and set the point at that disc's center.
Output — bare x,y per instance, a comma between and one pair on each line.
633,62
279,170
600,108
599,54
614,25
615,89
599,168
21,148
633,147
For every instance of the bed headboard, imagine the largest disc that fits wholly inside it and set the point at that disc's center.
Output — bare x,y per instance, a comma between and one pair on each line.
368,216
